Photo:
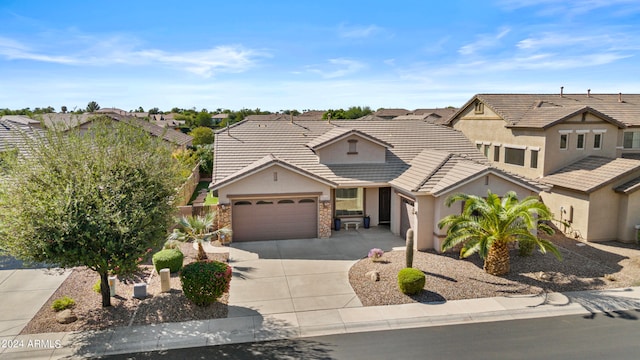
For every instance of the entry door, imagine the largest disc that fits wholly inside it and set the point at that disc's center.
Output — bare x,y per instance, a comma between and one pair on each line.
384,205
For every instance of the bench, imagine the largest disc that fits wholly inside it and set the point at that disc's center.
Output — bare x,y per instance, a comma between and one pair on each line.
351,222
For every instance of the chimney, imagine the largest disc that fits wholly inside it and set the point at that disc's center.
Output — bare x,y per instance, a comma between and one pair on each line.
561,91
620,97
329,117
588,92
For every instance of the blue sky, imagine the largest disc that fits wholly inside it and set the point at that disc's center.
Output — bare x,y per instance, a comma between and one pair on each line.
278,55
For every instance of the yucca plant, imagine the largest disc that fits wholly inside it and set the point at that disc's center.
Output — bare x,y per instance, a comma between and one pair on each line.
199,229
486,226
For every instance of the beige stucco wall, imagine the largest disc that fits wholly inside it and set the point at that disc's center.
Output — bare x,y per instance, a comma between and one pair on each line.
496,184
263,182
563,199
424,222
603,214
367,152
555,158
371,201
394,224
629,216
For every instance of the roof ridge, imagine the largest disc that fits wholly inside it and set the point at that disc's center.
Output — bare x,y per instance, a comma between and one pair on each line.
434,171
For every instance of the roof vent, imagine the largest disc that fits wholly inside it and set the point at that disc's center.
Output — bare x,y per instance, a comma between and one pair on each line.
561,91
588,92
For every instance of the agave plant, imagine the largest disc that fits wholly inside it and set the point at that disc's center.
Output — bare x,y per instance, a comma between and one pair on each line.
199,229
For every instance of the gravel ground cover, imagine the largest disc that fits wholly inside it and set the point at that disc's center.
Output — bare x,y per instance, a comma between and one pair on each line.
158,307
584,267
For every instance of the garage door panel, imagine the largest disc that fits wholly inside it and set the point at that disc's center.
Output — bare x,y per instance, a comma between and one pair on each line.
274,219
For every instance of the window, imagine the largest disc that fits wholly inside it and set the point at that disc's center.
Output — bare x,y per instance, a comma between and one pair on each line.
597,141
478,108
240,203
631,140
352,147
479,146
534,159
486,150
514,156
580,143
564,141
286,201
264,202
349,202
306,201
496,153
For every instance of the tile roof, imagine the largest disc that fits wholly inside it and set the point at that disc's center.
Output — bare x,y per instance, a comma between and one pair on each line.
629,187
543,110
391,112
251,140
21,119
14,136
591,173
338,133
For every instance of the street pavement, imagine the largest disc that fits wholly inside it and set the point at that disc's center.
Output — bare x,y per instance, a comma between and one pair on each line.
285,290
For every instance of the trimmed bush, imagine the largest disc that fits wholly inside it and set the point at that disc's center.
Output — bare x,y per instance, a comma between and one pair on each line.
62,303
411,281
168,258
203,282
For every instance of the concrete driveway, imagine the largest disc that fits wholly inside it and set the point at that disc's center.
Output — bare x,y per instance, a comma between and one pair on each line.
285,276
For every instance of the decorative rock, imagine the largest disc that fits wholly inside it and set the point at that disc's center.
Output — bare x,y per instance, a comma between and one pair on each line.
66,317
140,290
373,275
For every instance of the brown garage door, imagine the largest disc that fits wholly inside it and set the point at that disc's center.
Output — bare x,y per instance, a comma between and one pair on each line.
406,215
274,219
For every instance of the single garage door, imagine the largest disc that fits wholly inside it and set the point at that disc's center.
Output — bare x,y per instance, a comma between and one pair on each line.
274,219
406,215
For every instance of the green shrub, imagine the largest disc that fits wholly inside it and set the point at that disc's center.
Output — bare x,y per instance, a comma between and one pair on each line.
203,282
411,281
96,286
62,303
525,247
168,258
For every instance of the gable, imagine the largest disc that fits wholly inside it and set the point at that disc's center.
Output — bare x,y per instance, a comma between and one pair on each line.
352,149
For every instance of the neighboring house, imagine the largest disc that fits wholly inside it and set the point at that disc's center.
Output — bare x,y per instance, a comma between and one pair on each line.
584,145
218,118
391,113
312,115
280,179
84,121
166,120
23,120
13,136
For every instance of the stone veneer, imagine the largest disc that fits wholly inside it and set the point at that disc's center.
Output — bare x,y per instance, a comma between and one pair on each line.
325,219
224,218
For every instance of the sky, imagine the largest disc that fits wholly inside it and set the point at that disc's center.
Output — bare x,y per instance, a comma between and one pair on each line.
281,55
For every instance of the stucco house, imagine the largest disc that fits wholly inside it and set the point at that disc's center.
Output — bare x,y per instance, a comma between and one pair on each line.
290,178
586,146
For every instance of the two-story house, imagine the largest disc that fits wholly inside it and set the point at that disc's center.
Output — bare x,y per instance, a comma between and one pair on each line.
586,146
287,177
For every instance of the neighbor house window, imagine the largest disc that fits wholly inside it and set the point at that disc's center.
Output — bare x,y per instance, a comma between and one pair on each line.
597,141
631,140
514,156
580,142
486,150
350,202
353,146
496,153
534,159
564,141
478,108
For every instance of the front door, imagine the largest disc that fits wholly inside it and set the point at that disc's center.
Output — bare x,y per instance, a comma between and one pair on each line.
384,205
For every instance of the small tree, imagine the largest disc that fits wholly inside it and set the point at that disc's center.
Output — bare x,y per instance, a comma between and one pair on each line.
99,200
63,109
198,229
92,106
202,136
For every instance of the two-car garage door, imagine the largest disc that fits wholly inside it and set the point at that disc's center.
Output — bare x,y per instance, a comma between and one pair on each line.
274,219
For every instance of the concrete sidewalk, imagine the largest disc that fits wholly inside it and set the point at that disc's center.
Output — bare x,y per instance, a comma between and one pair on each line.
258,327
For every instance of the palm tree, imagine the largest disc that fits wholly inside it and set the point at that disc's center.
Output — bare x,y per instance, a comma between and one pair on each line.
198,228
486,226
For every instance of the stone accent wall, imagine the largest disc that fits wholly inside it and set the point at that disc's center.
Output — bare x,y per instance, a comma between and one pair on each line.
224,217
325,219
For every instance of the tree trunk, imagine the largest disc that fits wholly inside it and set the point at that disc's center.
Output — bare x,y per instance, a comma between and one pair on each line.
104,289
202,255
497,261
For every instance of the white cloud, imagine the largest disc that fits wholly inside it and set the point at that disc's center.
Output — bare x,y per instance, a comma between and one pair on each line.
572,8
484,41
115,50
358,31
338,68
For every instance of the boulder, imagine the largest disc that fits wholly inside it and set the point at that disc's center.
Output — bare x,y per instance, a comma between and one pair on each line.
66,317
373,275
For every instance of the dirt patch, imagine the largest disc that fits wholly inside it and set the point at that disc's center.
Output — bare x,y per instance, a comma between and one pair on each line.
126,310
584,267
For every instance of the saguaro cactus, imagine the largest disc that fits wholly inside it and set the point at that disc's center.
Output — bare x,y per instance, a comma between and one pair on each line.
409,250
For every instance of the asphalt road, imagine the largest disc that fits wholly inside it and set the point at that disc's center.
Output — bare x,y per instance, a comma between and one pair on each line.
602,336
